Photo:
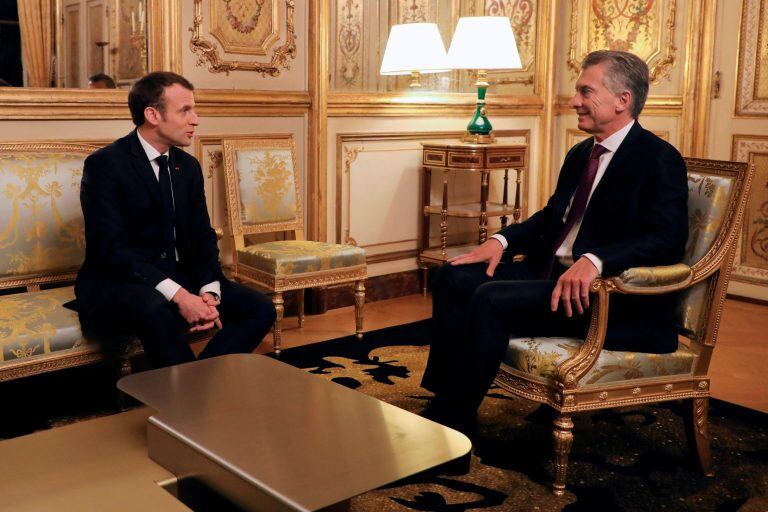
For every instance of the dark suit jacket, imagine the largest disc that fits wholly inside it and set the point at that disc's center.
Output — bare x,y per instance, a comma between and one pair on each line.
637,216
122,208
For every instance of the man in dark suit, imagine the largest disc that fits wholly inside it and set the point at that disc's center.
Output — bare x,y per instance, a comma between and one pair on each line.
152,265
620,202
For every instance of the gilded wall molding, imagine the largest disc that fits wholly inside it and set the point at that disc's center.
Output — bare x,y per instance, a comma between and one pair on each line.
342,104
81,104
751,262
208,54
640,26
752,78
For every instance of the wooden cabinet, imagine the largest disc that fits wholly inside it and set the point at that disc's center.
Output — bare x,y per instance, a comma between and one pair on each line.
481,159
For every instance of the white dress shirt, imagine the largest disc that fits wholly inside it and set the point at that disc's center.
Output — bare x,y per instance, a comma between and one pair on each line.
564,253
168,287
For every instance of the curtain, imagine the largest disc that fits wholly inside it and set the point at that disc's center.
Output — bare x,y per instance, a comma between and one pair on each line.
35,23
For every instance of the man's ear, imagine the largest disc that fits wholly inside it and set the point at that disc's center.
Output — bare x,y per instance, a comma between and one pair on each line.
623,101
152,116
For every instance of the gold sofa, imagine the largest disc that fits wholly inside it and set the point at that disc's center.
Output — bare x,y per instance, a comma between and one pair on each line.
573,375
42,244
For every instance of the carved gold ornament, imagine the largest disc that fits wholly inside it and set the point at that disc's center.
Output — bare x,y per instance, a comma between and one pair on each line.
752,81
245,28
637,26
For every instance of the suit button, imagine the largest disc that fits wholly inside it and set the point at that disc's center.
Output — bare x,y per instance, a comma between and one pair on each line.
162,255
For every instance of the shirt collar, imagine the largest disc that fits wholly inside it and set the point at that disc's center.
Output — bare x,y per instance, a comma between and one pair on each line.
613,142
151,152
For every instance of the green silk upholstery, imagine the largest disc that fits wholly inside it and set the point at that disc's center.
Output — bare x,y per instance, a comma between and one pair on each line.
36,323
293,257
266,185
708,202
41,224
538,357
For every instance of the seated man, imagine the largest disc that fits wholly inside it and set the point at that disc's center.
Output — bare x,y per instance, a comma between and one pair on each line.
152,264
620,202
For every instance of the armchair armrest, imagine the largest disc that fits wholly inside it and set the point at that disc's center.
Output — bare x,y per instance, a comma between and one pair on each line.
653,280
634,281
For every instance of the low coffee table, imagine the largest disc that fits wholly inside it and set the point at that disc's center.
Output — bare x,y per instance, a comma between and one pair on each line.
268,436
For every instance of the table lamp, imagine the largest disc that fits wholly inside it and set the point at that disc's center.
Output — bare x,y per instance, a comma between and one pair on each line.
413,49
483,43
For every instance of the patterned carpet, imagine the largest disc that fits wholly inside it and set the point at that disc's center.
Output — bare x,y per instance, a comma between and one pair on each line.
633,458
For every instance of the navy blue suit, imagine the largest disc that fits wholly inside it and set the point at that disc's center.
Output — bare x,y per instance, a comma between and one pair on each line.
126,257
637,216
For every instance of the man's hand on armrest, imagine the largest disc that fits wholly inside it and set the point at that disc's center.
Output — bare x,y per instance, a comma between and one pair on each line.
573,287
200,315
490,251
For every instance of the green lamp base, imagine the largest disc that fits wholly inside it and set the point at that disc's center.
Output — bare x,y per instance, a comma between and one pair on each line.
479,129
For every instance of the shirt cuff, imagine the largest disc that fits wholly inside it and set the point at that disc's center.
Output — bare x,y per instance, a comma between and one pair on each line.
213,288
501,239
168,287
597,262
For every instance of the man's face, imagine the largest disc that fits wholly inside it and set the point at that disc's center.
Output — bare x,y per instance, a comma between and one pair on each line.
176,124
599,109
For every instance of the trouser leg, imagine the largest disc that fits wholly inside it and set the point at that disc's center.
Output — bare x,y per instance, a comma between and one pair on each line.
246,316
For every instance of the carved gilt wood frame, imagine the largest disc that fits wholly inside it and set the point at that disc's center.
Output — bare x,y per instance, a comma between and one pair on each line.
207,52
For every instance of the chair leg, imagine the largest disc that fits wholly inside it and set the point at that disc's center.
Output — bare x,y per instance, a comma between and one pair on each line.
562,436
277,300
695,415
424,275
300,301
359,303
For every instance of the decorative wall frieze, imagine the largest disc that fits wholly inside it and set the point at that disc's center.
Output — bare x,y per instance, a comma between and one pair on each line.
644,27
752,79
208,52
751,262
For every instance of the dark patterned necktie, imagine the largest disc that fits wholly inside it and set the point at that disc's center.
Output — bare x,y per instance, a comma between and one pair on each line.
166,192
579,203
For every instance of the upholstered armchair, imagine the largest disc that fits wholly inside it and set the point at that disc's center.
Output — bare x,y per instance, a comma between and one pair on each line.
262,188
573,375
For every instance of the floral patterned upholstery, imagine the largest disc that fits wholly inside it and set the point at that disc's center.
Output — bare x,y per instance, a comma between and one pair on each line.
708,202
291,257
41,226
266,185
538,357
36,323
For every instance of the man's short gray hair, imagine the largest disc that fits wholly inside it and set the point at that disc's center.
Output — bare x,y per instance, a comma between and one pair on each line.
626,72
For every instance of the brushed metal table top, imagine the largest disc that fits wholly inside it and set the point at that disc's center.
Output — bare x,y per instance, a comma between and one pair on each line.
306,442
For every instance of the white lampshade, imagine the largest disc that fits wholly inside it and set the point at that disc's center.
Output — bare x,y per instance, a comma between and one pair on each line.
414,47
483,42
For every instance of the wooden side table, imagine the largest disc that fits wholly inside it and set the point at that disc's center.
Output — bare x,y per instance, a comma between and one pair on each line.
476,158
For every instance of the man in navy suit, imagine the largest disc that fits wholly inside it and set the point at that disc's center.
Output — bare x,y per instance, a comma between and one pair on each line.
620,202
152,265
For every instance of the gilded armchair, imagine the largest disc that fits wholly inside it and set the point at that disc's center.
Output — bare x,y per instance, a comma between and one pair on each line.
263,196
573,375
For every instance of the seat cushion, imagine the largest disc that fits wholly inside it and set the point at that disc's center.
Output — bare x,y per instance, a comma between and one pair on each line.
540,356
36,323
292,257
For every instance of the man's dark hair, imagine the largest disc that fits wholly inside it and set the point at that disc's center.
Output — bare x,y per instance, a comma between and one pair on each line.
102,77
148,92
626,72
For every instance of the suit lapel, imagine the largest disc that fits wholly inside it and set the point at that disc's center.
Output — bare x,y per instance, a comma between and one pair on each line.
143,169
627,147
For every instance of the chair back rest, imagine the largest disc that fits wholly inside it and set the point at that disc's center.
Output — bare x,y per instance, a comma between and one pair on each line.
42,239
262,185
716,198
